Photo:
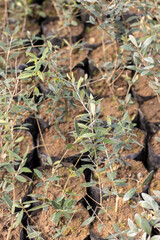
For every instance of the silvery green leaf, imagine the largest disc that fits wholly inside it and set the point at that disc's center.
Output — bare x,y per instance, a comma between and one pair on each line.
156,237
149,59
138,219
19,218
147,42
144,236
145,205
157,193
133,40
88,221
93,108
128,195
145,226
132,233
148,178
132,225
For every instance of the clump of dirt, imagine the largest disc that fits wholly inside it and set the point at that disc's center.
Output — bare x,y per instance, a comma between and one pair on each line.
54,140
55,137
142,87
60,30
155,143
154,115
93,35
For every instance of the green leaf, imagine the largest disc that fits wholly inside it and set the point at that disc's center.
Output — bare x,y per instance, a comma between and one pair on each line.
93,108
148,178
138,220
70,145
8,200
79,83
110,141
147,198
55,217
154,205
149,59
28,50
2,60
132,67
156,237
24,169
19,139
132,225
109,120
128,195
15,54
132,233
148,67
38,207
26,152
37,66
145,205
100,226
20,178
3,46
56,205
45,53
54,178
49,45
2,164
38,173
32,56
81,169
84,126
144,236
26,75
34,234
157,193
19,218
145,226
92,20
10,169
66,214
128,98
87,135
16,29
127,47
36,91
49,160
82,94
147,42
88,184
111,175
133,40
144,73
40,75
157,225
76,127
88,221
8,31
9,188
143,223
116,228
75,95
14,155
